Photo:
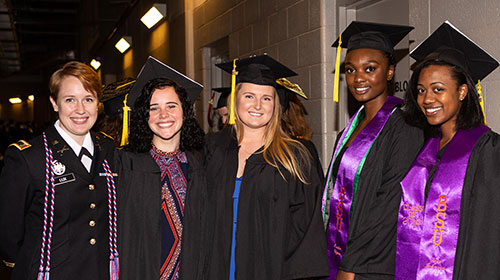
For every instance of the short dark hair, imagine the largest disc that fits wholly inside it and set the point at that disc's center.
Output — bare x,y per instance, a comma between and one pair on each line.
470,114
192,135
87,76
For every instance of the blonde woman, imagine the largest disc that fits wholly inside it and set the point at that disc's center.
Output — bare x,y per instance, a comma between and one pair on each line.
264,195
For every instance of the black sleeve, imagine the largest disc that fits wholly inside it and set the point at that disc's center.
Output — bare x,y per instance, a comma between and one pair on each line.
15,198
306,252
478,246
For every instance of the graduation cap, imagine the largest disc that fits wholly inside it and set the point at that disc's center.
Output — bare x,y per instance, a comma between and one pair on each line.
285,88
260,70
224,93
153,68
450,45
114,94
367,35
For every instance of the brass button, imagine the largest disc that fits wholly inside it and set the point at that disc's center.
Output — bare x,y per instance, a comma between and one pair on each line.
91,187
92,241
92,223
92,205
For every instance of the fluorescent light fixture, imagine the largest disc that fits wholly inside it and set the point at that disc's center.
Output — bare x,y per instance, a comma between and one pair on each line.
31,97
95,64
124,44
154,15
15,100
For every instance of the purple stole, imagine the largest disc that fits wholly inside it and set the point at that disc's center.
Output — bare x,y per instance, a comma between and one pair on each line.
428,230
347,179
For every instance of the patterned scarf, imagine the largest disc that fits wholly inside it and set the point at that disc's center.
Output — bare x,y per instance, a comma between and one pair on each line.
174,188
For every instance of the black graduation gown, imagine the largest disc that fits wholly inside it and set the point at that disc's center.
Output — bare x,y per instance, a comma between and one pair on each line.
478,245
371,242
139,212
22,185
279,230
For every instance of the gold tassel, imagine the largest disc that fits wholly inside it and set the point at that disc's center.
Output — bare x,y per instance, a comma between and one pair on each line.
481,100
233,86
126,122
337,72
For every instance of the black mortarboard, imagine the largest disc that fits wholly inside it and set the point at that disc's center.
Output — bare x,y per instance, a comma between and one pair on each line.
153,68
369,35
114,94
224,93
449,44
260,70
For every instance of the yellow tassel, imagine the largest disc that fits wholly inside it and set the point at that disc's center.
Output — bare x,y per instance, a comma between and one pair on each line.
481,100
337,72
126,122
233,86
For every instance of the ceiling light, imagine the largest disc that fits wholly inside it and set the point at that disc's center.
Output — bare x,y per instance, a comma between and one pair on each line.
124,43
154,15
15,100
95,64
31,97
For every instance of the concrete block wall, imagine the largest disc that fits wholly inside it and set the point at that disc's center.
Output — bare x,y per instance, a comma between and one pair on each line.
295,32
479,20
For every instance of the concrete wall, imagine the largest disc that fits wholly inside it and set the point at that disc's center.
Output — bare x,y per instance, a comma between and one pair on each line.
295,32
479,20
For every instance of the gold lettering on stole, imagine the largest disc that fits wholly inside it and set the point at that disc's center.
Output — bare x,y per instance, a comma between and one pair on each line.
340,208
439,225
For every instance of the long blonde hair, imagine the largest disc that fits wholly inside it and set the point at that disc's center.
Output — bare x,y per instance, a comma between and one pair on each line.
278,145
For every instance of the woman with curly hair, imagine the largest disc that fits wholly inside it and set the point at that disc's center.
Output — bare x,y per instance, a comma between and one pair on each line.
161,177
448,226
264,203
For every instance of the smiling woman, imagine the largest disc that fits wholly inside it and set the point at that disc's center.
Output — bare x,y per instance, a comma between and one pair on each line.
162,190
264,218
371,156
454,180
54,205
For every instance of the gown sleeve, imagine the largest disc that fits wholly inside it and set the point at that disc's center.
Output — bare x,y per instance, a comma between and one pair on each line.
478,246
14,201
306,254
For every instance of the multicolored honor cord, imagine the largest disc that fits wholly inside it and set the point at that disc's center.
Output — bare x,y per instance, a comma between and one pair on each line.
48,217
48,223
114,263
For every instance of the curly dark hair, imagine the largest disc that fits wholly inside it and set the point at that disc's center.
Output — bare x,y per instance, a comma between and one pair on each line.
470,114
192,136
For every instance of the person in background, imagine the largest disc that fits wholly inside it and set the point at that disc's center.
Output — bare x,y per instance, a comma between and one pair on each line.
162,191
371,156
264,219
448,226
58,187
111,122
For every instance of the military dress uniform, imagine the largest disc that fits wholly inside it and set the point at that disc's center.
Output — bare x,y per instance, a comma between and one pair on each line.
80,238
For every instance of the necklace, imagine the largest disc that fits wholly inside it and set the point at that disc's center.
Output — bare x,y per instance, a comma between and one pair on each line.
165,154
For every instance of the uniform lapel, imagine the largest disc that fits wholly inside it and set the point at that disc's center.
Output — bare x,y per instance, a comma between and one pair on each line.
63,153
99,155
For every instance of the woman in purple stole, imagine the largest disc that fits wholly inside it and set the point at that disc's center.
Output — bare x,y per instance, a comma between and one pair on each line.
162,178
447,226
371,156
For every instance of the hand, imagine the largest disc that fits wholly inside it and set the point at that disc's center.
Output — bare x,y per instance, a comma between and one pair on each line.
342,275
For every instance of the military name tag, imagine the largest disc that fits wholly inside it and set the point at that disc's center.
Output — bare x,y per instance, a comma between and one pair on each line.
63,179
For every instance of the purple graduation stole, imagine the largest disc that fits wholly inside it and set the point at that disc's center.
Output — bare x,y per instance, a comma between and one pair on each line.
347,177
428,231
